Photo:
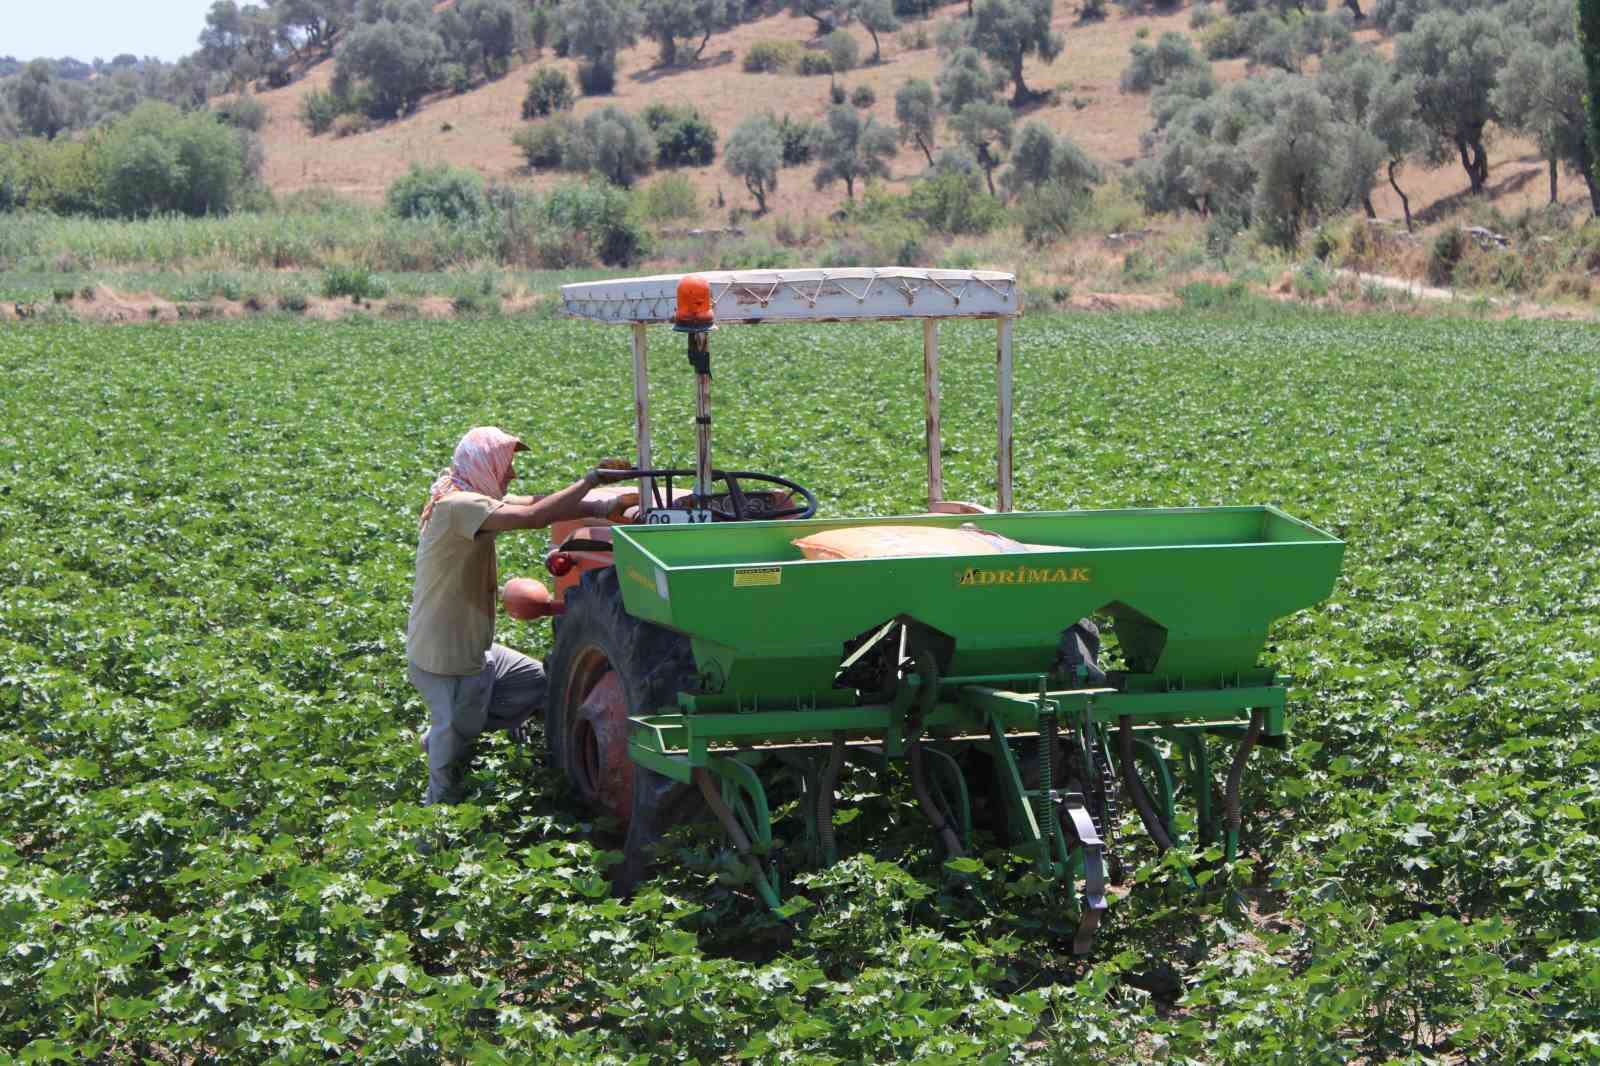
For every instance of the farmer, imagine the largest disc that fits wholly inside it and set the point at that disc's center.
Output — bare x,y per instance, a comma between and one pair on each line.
469,682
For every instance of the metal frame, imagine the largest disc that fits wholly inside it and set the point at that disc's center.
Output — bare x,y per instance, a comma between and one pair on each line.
1051,826
756,296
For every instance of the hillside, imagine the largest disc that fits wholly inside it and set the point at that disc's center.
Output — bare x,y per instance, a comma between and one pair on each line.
475,129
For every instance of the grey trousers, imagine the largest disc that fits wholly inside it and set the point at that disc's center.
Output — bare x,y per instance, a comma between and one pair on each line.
503,695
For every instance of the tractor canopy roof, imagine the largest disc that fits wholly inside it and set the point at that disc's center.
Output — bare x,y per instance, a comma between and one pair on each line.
805,295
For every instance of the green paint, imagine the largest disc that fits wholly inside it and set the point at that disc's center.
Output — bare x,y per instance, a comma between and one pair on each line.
1192,592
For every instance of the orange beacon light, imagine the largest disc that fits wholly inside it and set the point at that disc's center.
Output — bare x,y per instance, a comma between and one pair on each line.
694,313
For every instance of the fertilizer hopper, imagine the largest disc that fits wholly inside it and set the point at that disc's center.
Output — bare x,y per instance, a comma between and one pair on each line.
720,643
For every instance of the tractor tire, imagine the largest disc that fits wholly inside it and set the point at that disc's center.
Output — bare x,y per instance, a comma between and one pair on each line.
606,667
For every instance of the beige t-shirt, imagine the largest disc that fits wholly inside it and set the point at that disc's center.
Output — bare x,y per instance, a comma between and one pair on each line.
453,601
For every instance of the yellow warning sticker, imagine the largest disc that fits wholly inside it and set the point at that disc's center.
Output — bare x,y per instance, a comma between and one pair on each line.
755,577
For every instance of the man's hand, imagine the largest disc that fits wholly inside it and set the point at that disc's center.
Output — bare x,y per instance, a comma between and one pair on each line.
612,509
609,472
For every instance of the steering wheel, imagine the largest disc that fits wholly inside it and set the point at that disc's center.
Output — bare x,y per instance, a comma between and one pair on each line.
736,495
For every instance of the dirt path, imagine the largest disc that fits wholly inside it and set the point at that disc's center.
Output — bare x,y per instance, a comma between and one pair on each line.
1416,289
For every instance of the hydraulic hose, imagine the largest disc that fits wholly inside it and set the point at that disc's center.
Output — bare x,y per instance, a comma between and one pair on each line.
736,833
1236,771
927,696
825,786
1135,787
919,785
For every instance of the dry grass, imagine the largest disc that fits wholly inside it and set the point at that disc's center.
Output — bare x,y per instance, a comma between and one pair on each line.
475,129
1103,120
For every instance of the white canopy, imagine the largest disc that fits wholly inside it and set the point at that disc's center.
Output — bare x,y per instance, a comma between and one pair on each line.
805,295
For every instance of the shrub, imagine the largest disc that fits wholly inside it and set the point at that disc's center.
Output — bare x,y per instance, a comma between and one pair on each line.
348,125
1050,211
543,144
843,50
914,38
549,91
157,159
1224,39
799,140
611,143
244,112
356,282
539,28
476,295
915,8
602,215
669,198
1311,282
863,97
318,110
1092,11
598,77
837,94
1149,67
455,78
954,202
1209,296
1445,255
771,57
684,137
1201,15
814,63
441,191
898,243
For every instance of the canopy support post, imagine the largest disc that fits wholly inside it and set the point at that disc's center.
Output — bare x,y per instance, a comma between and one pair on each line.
641,414
1003,382
930,373
700,360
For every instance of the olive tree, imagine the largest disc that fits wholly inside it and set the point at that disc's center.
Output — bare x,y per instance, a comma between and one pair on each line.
1456,60
668,22
917,113
829,15
985,131
1589,45
1364,92
313,23
1041,158
613,144
1008,31
754,155
876,17
398,61
43,108
1149,67
481,33
1290,153
1541,95
853,148
965,78
595,31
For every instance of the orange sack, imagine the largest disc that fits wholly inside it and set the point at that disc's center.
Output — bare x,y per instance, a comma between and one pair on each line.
879,542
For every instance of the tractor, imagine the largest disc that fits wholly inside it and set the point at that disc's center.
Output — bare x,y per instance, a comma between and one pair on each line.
702,658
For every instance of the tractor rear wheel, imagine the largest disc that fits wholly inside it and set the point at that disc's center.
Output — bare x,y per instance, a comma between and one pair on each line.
606,667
